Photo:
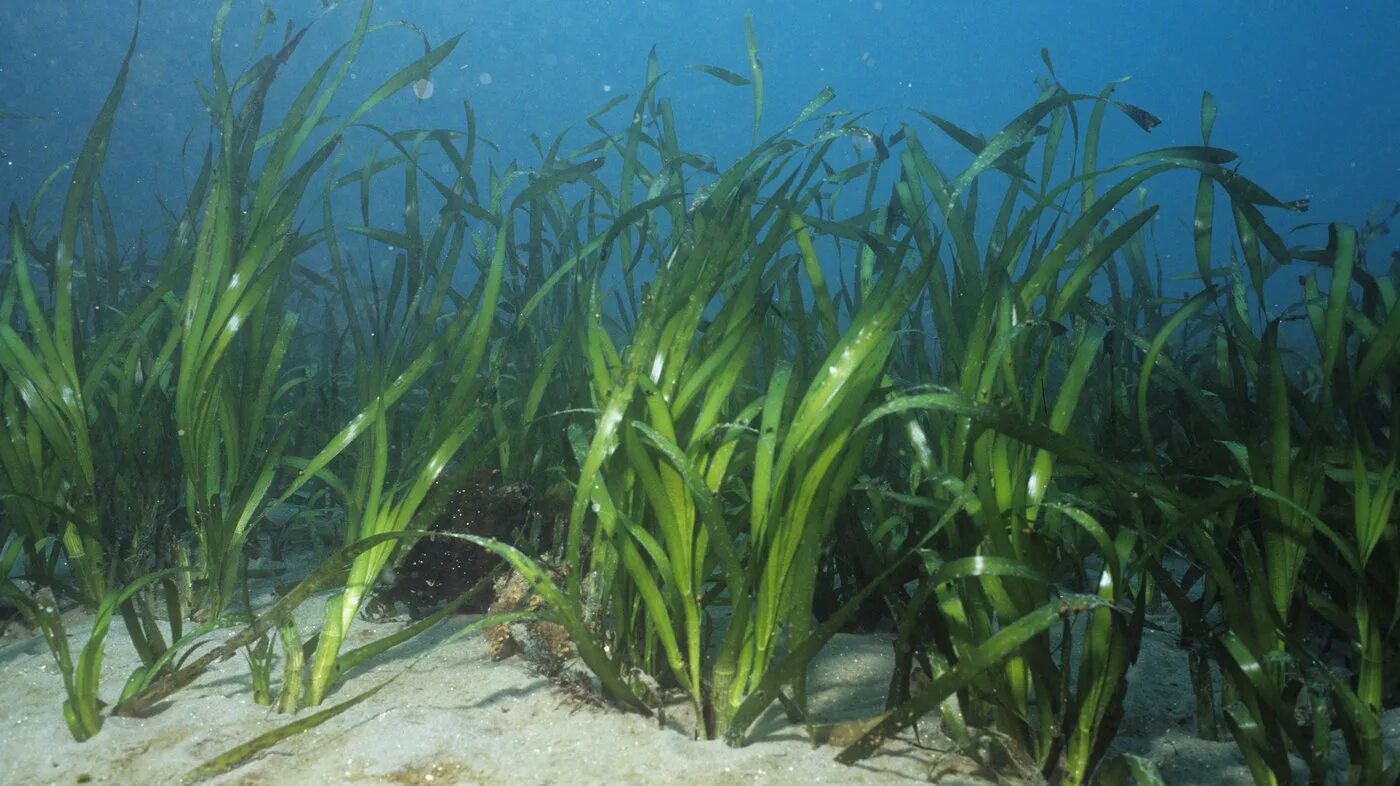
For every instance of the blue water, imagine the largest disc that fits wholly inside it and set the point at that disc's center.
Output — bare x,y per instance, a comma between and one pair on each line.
1306,91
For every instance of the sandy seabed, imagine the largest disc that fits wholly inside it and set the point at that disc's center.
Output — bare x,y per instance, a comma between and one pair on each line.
455,717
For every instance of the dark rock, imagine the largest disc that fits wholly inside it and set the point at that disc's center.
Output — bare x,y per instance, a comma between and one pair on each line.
436,570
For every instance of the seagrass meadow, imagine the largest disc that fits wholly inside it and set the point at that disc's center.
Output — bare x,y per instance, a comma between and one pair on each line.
878,453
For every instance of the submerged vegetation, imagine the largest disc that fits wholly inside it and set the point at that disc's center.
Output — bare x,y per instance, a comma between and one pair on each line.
961,402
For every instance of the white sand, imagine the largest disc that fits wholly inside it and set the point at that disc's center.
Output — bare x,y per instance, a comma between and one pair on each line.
457,717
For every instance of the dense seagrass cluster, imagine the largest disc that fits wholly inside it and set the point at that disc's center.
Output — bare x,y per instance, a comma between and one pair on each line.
825,377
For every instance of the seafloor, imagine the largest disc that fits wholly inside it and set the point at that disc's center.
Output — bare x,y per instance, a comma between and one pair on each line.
453,715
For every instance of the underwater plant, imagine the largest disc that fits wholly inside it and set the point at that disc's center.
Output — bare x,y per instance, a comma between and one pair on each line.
50,472
1013,333
779,393
239,276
